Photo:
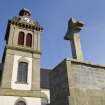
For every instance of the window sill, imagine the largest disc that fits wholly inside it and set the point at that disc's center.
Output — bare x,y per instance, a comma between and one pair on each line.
17,82
23,46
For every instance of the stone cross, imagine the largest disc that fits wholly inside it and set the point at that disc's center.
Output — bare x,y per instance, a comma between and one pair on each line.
73,36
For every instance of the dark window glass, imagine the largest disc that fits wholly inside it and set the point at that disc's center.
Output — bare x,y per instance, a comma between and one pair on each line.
22,72
29,40
21,103
21,38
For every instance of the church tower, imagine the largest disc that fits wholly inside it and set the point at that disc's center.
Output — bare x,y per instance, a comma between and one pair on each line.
20,82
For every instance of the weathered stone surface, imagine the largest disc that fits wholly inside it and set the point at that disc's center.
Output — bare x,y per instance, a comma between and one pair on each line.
59,85
73,36
83,82
88,86
88,77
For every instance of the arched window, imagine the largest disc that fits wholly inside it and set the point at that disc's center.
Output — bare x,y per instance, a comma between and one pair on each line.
22,72
21,38
29,40
20,103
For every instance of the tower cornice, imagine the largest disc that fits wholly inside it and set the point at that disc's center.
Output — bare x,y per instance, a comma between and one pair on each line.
18,21
23,49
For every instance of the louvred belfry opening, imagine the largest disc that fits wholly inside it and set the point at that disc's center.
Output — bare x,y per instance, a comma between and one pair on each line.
21,38
29,40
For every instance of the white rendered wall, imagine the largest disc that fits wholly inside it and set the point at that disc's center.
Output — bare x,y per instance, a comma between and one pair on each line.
47,92
18,86
11,100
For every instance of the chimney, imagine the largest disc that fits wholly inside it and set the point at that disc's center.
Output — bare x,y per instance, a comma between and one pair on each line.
73,36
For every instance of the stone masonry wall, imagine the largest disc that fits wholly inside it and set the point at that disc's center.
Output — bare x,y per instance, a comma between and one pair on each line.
88,84
77,83
59,85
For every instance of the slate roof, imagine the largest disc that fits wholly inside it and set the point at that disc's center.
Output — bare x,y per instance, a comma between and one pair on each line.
1,67
44,78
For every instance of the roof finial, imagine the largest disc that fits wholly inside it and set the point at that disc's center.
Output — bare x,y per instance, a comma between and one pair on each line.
72,34
24,12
